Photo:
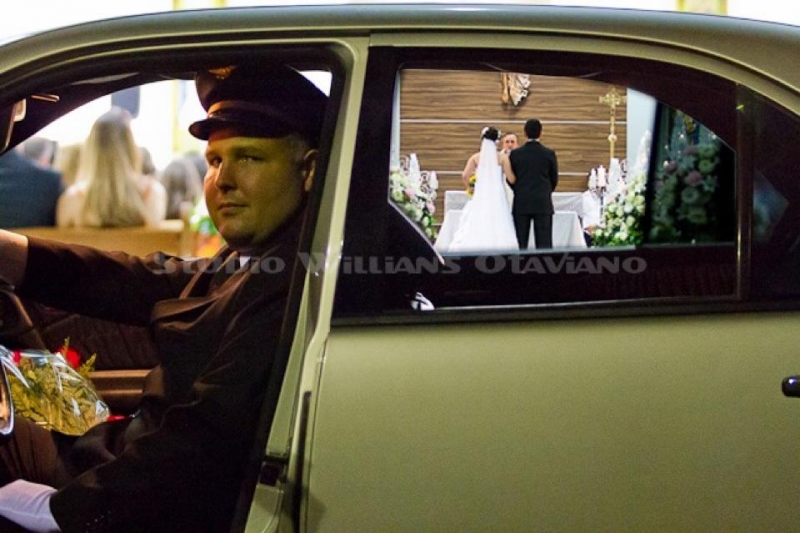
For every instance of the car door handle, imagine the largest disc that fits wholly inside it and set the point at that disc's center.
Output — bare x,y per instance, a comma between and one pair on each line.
791,386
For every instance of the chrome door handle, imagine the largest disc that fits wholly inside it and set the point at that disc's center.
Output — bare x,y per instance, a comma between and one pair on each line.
791,386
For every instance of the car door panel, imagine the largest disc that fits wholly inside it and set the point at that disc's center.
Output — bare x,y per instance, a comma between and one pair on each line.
555,402
626,424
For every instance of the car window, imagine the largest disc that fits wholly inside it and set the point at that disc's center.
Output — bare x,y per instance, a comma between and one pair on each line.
645,201
170,167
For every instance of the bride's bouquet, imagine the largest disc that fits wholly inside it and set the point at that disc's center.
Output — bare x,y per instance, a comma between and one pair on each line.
471,186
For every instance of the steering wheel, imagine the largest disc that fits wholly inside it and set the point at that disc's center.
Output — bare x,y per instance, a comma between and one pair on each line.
15,326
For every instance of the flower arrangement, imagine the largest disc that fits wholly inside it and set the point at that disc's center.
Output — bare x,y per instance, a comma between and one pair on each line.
621,224
54,390
415,192
621,220
686,188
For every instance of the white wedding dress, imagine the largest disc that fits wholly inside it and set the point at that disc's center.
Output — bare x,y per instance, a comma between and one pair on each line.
486,224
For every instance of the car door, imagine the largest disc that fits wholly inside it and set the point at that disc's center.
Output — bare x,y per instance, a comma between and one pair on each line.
617,387
111,56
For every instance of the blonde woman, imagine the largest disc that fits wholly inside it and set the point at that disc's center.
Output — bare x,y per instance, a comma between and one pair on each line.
66,162
111,190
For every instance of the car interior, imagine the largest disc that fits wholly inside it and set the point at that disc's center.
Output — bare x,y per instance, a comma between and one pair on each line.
125,353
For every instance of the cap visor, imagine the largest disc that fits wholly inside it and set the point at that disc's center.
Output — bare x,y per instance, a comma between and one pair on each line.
202,129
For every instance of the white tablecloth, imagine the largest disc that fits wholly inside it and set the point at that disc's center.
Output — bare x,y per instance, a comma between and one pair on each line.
455,200
591,210
562,201
568,201
567,232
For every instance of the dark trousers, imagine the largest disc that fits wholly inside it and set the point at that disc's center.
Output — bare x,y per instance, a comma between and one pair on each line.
542,230
34,454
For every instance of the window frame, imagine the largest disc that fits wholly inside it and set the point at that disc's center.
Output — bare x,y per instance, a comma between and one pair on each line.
369,229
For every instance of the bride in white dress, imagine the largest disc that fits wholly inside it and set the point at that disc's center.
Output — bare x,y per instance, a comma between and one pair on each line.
486,224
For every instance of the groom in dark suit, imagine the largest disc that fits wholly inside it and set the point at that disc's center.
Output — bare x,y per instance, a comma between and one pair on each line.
536,169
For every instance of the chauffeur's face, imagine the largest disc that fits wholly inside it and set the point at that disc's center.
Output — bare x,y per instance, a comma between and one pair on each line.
254,185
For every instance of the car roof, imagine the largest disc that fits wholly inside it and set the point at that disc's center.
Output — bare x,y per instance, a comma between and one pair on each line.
769,47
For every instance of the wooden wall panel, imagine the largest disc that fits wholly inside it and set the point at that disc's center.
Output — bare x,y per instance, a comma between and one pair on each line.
443,112
460,95
560,99
446,148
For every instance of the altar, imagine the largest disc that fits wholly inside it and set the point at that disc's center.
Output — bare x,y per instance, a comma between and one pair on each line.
567,220
567,231
562,201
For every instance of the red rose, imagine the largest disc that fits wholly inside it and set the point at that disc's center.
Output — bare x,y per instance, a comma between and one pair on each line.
72,357
16,356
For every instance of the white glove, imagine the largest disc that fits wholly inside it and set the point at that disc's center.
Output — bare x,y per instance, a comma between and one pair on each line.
28,504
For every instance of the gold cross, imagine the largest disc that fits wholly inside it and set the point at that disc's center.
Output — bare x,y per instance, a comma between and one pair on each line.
612,99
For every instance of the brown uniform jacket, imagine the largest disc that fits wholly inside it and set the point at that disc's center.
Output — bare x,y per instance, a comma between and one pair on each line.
176,466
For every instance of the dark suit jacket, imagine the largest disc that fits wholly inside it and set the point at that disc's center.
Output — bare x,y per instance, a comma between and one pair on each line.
536,169
28,192
177,465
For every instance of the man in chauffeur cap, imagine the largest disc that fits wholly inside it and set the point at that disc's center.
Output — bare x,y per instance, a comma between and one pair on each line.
177,465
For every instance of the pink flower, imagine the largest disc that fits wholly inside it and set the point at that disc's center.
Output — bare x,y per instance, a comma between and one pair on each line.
693,179
410,193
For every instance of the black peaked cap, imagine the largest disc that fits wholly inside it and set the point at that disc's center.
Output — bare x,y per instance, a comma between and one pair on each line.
260,100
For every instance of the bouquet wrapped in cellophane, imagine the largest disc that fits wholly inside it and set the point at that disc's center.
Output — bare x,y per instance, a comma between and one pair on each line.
52,392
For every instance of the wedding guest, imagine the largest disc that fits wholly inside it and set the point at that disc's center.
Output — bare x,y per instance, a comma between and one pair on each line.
111,190
28,192
40,150
199,163
183,185
66,161
148,167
